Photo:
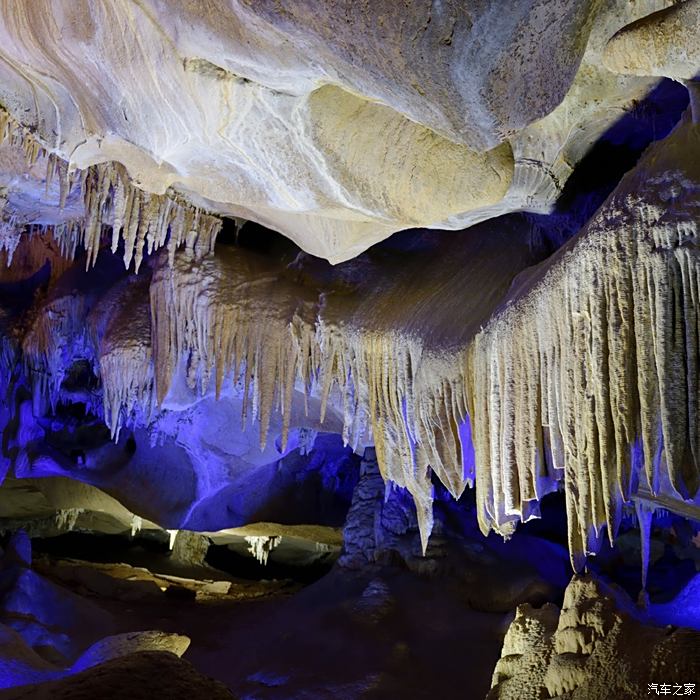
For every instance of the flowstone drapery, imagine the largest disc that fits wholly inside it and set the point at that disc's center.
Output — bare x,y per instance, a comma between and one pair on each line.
590,374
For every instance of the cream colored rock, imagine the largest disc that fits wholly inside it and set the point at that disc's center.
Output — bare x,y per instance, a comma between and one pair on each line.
250,138
272,116
547,151
597,647
665,43
334,123
120,645
585,377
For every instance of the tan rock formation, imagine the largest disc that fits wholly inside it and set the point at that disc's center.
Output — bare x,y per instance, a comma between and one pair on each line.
595,648
663,43
334,123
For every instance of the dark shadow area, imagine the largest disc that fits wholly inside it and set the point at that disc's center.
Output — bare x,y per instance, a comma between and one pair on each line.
256,238
152,552
101,548
224,559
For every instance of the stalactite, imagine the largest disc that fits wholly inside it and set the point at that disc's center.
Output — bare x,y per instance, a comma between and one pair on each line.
645,515
10,235
67,518
232,318
120,330
598,357
34,251
260,546
55,333
143,221
136,525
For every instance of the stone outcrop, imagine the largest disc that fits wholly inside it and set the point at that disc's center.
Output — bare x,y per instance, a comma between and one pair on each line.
141,676
595,647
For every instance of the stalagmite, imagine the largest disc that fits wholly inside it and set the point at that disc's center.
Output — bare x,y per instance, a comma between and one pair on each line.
598,646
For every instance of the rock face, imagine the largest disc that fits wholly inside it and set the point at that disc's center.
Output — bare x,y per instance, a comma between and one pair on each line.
596,647
663,43
45,628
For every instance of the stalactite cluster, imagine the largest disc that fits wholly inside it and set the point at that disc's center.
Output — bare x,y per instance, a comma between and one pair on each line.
142,221
586,378
590,376
120,330
221,317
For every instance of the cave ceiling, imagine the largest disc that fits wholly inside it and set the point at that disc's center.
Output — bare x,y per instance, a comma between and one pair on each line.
448,286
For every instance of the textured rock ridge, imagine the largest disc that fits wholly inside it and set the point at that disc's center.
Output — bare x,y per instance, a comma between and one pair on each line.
662,43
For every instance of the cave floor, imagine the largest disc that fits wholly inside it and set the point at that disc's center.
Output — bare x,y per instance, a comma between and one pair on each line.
382,634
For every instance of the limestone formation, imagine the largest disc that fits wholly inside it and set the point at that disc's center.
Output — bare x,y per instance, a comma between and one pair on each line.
396,371
411,378
290,119
260,546
142,221
473,357
595,647
663,43
588,375
245,242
